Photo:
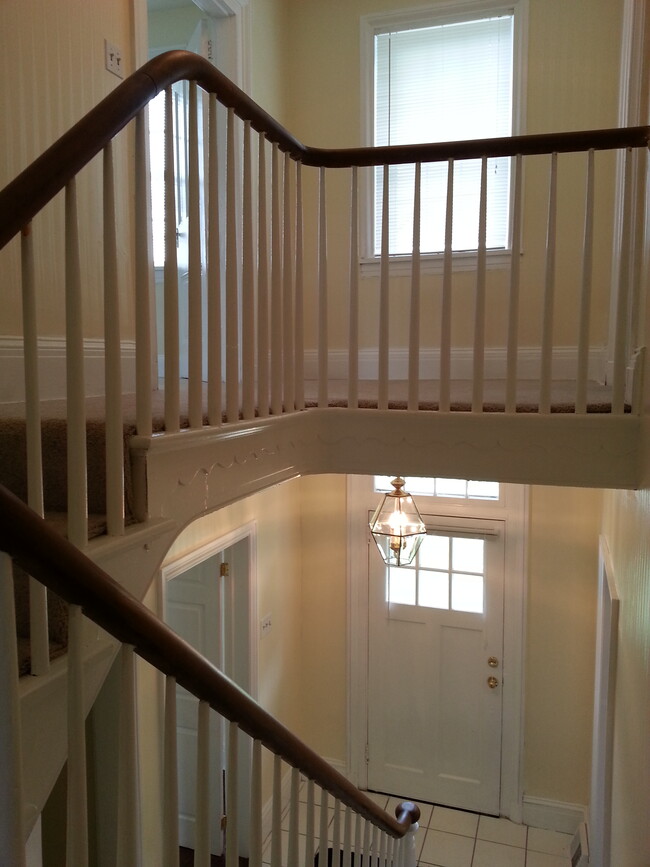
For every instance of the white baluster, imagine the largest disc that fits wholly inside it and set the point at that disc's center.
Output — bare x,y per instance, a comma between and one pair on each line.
390,851
170,277
262,286
323,828
336,833
299,349
585,294
113,365
170,769
287,294
232,280
383,843
310,836
76,407
445,313
479,310
621,322
293,859
414,328
232,798
215,397
347,838
77,802
276,814
203,809
38,619
255,854
409,854
323,346
195,312
12,835
549,295
276,287
384,298
513,308
366,841
129,844
375,843
143,279
358,828
248,285
353,359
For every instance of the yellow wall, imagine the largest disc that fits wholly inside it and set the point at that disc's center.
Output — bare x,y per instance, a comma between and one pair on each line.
560,635
51,73
572,83
626,528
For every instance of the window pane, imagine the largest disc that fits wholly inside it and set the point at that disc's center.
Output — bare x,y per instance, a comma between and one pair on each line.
467,555
434,552
483,490
451,487
433,590
401,585
467,593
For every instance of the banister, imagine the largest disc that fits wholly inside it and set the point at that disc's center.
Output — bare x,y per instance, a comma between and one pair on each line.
50,558
21,199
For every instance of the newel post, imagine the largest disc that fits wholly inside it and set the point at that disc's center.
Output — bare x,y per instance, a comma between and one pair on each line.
408,857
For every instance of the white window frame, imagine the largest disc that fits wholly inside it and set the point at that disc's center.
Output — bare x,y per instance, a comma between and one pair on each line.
441,13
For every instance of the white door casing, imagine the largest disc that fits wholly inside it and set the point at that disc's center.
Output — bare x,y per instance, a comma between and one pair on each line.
512,509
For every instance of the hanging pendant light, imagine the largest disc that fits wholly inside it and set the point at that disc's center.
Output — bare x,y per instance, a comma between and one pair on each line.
397,526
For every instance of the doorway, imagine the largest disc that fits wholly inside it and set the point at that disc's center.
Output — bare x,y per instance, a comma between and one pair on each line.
416,738
209,600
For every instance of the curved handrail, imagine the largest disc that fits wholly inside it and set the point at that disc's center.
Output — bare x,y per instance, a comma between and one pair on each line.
21,199
50,558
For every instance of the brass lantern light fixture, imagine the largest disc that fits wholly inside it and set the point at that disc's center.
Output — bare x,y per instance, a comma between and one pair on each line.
397,526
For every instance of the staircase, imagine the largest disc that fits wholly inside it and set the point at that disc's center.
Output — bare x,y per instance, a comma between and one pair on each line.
283,374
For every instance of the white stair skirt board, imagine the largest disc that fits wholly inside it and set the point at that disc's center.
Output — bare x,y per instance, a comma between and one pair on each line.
565,363
51,353
553,815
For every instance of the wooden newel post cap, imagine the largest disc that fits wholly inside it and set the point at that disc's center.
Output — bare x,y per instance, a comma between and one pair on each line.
407,808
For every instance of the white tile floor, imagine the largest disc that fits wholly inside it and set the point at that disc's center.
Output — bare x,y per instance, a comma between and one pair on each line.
453,838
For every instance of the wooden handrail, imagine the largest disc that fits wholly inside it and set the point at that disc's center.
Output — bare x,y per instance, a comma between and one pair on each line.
49,557
21,200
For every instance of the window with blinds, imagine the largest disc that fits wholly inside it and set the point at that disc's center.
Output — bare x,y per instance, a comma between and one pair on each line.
444,81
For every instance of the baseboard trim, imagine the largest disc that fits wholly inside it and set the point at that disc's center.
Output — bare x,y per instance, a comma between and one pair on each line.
553,815
529,363
52,368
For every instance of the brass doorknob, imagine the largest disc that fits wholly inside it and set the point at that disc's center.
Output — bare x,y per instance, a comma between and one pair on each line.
492,682
493,662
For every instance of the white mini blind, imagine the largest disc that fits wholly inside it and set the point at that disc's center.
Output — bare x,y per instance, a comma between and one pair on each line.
446,82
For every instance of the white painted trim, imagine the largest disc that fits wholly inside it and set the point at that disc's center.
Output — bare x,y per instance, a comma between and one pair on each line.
267,809
52,372
565,363
604,706
513,509
553,815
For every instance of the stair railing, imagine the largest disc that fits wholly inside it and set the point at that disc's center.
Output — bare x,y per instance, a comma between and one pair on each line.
268,326
359,825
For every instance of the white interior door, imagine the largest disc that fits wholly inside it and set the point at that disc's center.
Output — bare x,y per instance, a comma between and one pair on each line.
435,640
207,605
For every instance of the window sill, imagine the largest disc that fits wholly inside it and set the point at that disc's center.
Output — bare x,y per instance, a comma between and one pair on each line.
433,263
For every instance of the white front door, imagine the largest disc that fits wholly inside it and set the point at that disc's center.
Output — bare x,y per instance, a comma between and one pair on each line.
435,639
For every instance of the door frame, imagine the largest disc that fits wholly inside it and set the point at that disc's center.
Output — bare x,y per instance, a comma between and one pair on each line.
514,512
